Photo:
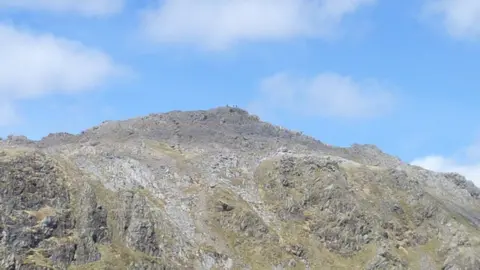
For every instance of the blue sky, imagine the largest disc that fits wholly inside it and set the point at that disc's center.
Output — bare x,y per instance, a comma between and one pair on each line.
399,74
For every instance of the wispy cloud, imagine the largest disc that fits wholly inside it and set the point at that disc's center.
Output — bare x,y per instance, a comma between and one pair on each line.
324,95
461,18
35,65
82,7
219,24
466,162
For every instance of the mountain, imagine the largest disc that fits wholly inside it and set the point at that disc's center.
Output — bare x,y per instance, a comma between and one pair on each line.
220,189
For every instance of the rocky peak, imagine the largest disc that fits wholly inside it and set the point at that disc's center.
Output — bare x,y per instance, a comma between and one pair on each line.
220,189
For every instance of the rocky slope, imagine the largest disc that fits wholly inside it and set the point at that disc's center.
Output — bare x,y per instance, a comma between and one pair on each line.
219,189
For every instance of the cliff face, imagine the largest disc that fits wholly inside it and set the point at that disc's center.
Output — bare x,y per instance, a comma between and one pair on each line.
220,189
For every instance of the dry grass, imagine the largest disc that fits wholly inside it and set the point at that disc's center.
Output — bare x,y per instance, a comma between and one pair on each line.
42,213
38,259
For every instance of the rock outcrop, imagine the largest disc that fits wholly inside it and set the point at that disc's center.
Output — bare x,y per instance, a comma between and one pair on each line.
219,189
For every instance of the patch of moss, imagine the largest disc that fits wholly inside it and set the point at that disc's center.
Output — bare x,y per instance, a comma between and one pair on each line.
155,201
8,154
319,256
117,257
165,149
407,217
192,189
245,233
297,233
208,249
414,255
431,247
464,221
63,240
357,261
38,259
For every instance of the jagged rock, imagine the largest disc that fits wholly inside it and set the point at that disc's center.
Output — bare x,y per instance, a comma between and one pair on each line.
296,250
386,260
219,189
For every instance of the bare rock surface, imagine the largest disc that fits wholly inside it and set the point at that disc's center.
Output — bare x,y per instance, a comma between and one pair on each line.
220,189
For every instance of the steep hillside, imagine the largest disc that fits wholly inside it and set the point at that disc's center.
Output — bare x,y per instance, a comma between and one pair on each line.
219,189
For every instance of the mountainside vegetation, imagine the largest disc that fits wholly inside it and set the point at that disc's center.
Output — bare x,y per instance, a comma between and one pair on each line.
220,189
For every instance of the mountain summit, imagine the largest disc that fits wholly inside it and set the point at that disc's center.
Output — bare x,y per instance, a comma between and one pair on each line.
220,189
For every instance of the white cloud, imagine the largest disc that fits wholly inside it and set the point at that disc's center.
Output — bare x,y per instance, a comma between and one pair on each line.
466,163
218,24
84,7
325,95
461,18
35,65
443,164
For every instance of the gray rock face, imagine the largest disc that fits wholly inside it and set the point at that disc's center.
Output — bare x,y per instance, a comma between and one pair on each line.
219,189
